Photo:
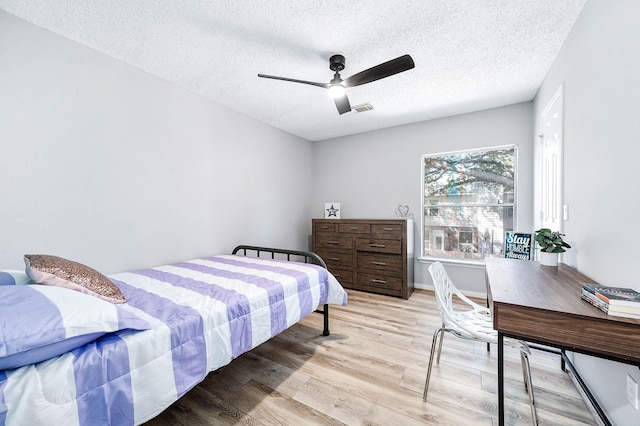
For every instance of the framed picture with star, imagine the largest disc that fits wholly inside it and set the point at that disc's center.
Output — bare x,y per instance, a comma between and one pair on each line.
332,210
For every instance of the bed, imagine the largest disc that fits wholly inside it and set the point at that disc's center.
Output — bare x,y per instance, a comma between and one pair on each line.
179,322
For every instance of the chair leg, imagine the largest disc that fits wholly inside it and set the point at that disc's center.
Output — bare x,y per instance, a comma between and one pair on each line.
440,345
523,365
433,348
526,369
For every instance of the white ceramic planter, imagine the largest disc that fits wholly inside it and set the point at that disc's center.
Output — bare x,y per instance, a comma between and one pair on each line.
548,259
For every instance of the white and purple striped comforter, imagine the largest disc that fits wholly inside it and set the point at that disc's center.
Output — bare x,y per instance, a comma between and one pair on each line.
203,313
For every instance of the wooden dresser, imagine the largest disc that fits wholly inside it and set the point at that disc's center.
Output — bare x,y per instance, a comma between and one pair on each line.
370,255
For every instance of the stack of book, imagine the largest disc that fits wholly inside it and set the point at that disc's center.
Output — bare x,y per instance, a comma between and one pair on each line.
616,301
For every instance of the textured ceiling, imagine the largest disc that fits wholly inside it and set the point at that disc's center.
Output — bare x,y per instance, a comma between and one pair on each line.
469,54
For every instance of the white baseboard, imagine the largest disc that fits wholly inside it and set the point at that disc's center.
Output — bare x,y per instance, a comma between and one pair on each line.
465,292
586,400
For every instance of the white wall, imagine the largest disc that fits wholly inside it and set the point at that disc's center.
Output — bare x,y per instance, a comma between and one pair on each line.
107,165
110,166
599,66
371,173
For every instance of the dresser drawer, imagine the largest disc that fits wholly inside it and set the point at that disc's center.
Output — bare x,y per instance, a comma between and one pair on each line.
354,228
381,290
326,228
380,282
344,276
379,245
333,242
387,264
392,230
337,259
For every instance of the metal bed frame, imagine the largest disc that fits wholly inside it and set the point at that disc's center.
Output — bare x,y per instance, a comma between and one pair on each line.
308,257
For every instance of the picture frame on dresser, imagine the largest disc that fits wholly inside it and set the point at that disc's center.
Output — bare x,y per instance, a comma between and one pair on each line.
372,255
332,210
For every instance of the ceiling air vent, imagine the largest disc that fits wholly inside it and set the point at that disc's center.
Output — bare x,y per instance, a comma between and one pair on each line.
363,108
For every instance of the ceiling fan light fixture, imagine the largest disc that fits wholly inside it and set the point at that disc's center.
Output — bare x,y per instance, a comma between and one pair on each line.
337,91
337,86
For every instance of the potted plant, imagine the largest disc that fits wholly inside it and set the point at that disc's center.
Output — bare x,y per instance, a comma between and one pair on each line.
551,244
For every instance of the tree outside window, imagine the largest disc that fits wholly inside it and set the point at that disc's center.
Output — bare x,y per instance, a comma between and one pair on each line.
474,192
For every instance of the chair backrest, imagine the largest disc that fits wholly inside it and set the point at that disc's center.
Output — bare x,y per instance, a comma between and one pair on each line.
444,289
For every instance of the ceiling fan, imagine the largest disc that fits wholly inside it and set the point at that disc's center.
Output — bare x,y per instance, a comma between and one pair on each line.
337,85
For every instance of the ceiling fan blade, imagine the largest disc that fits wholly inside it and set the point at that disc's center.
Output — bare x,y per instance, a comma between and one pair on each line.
389,68
312,83
342,103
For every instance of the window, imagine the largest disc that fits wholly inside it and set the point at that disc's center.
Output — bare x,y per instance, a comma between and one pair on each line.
474,192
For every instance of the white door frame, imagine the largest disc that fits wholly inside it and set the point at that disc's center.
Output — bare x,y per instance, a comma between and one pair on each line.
552,142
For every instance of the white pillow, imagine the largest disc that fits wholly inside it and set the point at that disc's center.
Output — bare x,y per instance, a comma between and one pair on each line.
14,277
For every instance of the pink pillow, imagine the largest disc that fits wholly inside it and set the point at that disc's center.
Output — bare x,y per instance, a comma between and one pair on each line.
56,271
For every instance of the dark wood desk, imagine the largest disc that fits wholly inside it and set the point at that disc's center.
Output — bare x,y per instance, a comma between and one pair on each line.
542,304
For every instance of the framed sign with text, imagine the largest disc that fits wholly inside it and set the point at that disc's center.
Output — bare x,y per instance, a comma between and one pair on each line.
517,245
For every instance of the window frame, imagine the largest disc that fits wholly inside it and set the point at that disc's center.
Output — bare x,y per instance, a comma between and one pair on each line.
424,206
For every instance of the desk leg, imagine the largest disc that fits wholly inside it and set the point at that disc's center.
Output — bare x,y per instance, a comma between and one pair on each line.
500,379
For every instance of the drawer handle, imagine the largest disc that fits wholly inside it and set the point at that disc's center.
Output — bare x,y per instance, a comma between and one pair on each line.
354,228
388,229
333,242
377,245
324,227
378,281
335,259
379,263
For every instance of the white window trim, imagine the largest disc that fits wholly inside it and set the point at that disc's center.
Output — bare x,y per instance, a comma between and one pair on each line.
475,264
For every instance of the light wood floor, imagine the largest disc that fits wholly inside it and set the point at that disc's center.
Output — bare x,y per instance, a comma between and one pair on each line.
371,370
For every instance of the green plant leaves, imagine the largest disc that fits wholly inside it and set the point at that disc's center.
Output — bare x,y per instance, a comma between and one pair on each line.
550,241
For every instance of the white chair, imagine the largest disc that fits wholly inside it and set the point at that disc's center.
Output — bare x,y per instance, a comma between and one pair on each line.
474,324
